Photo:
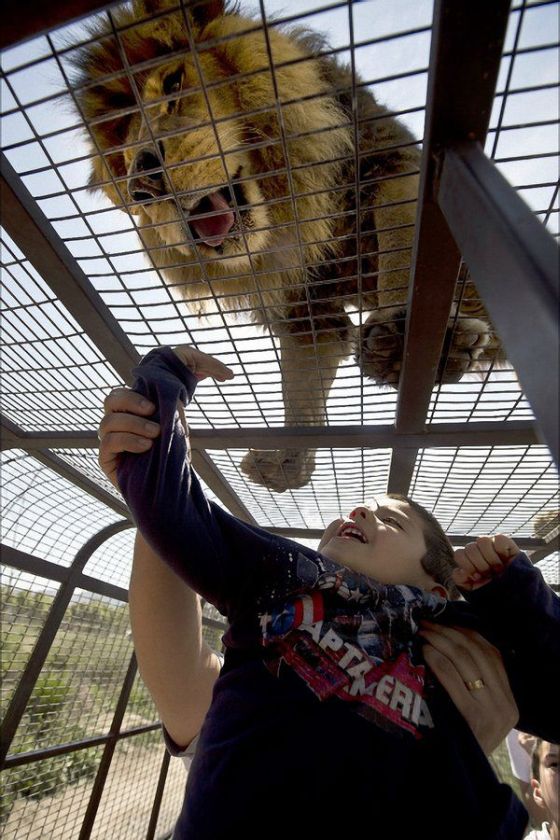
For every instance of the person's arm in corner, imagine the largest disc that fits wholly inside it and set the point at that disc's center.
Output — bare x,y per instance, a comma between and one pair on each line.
521,614
177,665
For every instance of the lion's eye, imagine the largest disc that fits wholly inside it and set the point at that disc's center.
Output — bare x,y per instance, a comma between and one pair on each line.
173,83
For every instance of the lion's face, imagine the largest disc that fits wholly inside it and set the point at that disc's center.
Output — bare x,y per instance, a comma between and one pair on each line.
245,166
191,204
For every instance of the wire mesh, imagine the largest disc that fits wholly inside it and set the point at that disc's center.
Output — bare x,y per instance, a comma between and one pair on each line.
83,675
487,489
130,787
112,561
26,600
45,514
46,353
48,798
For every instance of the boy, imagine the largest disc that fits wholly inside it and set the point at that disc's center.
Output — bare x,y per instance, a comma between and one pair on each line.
324,717
544,783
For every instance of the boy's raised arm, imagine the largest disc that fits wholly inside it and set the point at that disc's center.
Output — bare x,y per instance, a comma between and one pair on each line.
211,550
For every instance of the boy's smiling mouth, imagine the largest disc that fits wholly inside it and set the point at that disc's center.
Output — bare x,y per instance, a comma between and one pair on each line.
351,531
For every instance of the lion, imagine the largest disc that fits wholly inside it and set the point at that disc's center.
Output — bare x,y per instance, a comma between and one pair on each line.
254,167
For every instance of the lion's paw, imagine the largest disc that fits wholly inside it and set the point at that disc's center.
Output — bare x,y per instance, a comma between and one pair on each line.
382,346
470,338
379,354
279,470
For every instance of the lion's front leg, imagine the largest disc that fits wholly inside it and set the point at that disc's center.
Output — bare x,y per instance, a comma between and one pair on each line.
394,221
309,362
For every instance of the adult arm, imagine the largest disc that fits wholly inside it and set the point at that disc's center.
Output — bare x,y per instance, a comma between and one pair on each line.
521,614
177,665
452,653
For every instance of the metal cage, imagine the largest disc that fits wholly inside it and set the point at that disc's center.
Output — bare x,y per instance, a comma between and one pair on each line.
83,299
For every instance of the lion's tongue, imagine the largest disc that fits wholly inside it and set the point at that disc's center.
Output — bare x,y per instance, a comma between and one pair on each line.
214,229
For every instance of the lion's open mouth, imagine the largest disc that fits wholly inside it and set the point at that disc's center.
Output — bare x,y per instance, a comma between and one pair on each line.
214,217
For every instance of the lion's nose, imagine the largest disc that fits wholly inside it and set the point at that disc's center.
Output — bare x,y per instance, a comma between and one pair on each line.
146,184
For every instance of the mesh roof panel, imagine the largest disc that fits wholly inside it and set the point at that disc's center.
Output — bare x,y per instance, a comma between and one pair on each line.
44,514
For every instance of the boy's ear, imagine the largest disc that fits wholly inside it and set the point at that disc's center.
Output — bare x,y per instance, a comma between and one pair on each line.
537,793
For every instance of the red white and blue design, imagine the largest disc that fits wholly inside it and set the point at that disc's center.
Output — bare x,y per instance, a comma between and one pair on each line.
354,639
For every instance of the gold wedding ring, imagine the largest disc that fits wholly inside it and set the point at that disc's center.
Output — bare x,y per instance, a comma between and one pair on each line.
474,685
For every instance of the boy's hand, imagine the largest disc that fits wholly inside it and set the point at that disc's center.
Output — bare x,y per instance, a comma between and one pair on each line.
480,561
126,426
201,364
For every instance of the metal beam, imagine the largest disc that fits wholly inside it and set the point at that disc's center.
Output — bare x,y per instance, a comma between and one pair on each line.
14,438
514,262
209,473
465,59
401,470
19,23
548,548
59,466
202,463
467,40
490,433
32,232
532,544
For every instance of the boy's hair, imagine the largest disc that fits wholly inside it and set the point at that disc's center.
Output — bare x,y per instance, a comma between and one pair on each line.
439,559
536,760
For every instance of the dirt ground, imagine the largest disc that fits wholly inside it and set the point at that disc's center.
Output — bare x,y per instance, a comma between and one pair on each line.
125,808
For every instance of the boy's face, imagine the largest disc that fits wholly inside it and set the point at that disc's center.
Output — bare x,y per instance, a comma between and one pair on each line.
545,791
385,543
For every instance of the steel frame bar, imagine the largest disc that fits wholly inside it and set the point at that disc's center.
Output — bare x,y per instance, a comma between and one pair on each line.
152,825
545,550
525,543
514,262
59,466
39,567
108,752
208,472
19,759
485,433
466,35
21,24
32,232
